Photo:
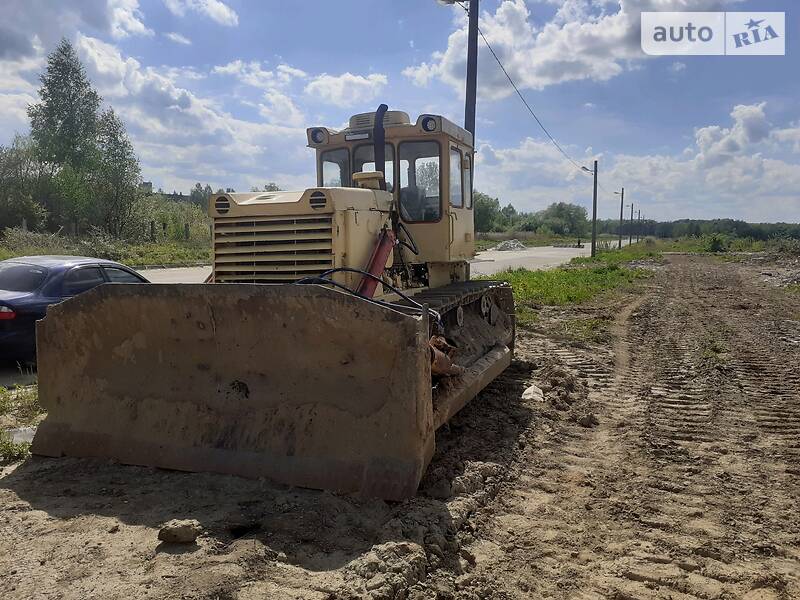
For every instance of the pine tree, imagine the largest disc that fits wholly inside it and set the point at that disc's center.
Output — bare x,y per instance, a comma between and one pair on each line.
64,122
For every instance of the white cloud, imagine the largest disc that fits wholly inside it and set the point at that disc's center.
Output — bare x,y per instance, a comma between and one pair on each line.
127,19
718,145
581,42
214,9
17,90
677,67
25,23
182,137
178,38
733,170
252,73
347,89
280,109
790,135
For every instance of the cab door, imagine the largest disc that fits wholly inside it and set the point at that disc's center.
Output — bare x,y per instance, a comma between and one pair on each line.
461,224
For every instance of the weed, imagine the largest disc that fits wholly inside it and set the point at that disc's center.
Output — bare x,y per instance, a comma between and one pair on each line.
588,330
11,451
19,407
713,352
567,285
97,244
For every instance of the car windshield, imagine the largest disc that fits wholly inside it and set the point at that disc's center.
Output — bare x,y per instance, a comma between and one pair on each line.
19,277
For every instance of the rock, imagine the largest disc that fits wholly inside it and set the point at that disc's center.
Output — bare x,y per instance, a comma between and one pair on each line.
533,393
588,420
180,531
378,581
113,529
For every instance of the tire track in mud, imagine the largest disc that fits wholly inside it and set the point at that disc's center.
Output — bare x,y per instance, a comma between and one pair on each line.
688,487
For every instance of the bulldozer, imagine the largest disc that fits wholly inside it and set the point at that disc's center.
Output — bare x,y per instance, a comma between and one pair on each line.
338,331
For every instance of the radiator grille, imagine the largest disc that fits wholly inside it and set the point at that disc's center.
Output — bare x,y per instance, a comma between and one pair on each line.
272,249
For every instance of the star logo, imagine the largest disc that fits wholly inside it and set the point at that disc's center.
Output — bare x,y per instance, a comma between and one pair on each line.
753,24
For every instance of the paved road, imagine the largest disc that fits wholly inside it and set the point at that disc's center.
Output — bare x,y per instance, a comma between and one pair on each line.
485,263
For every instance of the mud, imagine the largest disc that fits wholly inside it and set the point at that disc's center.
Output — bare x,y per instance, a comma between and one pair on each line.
663,461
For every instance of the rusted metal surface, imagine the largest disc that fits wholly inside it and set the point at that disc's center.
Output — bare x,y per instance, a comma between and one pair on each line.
301,384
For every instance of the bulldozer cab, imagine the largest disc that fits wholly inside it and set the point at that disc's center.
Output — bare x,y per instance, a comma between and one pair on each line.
428,171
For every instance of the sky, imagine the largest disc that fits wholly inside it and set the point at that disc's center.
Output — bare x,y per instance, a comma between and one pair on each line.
222,91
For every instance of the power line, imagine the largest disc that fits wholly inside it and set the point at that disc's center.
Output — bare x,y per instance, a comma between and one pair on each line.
581,168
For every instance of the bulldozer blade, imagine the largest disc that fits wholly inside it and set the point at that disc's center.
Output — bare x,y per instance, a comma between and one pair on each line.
301,384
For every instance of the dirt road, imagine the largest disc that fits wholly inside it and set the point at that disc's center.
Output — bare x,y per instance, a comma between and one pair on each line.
663,462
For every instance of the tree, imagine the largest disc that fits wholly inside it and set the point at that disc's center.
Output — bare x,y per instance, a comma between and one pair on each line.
64,122
74,193
18,182
486,211
118,174
563,218
21,182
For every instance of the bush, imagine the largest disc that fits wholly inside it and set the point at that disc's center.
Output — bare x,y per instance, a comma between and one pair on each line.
716,243
20,242
100,244
786,246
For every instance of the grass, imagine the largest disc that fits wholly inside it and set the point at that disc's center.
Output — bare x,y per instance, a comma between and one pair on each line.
713,352
171,253
11,451
19,407
590,329
136,255
566,285
646,250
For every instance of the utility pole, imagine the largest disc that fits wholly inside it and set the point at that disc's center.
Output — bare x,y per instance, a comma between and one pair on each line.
638,224
621,207
472,71
630,231
594,212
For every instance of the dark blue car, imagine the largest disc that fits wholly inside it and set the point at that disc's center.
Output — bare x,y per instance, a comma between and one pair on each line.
29,284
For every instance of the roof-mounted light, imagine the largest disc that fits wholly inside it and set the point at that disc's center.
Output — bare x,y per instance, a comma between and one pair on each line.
317,136
429,124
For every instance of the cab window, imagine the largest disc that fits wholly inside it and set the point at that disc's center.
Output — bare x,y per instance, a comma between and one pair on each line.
364,160
456,181
419,181
335,168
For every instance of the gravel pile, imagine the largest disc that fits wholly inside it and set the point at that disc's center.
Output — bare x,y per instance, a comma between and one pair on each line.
510,245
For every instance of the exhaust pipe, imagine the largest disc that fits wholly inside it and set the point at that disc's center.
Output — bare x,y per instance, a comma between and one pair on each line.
379,143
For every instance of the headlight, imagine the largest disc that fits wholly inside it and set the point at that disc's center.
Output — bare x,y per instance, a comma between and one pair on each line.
429,124
317,136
